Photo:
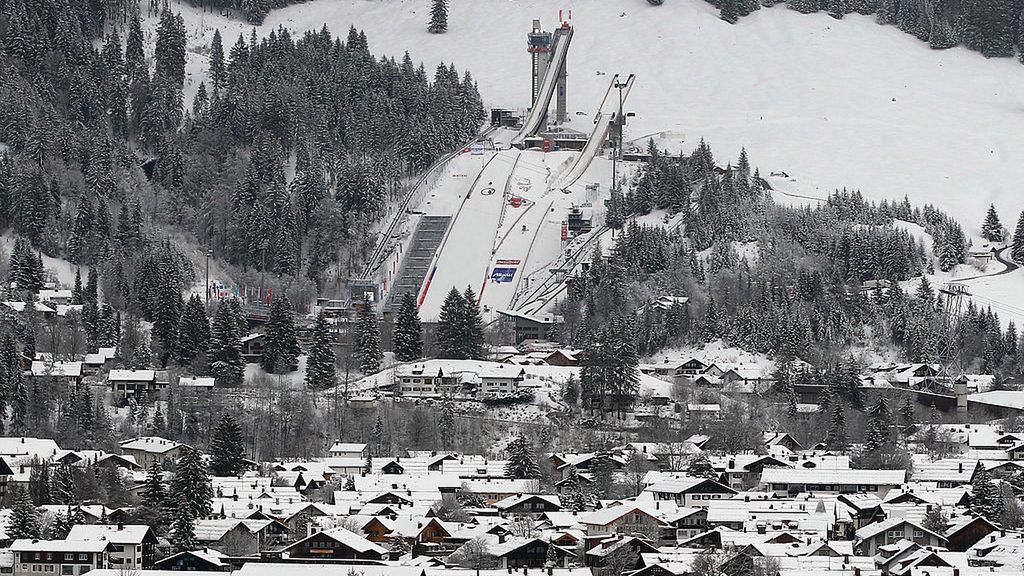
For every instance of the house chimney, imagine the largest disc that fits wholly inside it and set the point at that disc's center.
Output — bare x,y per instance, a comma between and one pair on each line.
120,526
961,467
501,540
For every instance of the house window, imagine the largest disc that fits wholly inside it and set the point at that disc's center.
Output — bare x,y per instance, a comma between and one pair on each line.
67,570
69,556
83,557
918,533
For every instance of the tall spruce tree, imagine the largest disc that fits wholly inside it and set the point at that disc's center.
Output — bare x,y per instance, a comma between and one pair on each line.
24,521
280,347
438,17
227,449
190,486
154,492
992,229
522,462
194,333
321,372
473,327
836,438
408,331
224,359
1017,250
450,335
183,522
368,340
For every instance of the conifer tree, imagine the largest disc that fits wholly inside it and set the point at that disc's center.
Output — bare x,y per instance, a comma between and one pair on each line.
280,348
224,358
408,332
24,521
1017,250
729,11
377,433
986,499
450,334
227,449
217,73
154,493
438,17
992,229
321,372
473,327
190,486
700,467
836,439
572,495
522,462
368,340
62,486
183,534
194,334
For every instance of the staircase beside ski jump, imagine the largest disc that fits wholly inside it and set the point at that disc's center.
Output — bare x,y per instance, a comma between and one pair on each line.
416,262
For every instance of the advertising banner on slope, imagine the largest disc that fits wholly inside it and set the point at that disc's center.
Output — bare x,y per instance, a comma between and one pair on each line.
502,275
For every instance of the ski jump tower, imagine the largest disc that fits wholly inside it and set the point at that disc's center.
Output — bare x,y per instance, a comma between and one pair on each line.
540,44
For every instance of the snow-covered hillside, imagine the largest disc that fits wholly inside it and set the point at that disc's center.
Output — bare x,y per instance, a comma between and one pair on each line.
832,103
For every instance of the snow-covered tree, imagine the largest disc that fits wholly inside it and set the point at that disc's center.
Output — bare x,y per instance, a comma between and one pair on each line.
522,462
24,521
408,332
992,229
190,486
227,449
368,346
438,17
280,347
321,372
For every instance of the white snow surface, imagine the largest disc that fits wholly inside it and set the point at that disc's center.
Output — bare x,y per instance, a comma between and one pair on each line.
832,103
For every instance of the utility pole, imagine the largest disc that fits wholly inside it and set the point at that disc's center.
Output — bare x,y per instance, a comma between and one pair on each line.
209,253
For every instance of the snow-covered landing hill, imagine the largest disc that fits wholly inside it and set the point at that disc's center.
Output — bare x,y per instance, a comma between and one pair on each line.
832,103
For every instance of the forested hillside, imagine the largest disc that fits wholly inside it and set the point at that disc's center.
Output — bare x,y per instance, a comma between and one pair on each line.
100,159
992,27
800,293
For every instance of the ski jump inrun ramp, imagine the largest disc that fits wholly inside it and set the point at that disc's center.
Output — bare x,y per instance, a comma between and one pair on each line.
535,119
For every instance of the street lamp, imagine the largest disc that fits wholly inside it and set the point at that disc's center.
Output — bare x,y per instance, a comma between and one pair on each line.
209,254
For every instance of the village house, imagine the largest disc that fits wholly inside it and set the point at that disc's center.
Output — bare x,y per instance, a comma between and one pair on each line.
202,560
872,537
64,557
349,450
66,374
336,544
630,519
132,547
528,505
530,327
793,481
133,383
149,449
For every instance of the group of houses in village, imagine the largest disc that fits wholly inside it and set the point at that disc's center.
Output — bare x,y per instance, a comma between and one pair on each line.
784,509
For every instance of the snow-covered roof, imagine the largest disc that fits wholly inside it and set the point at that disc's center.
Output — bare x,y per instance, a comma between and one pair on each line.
131,376
20,307
825,476
197,382
28,545
151,444
119,534
1001,398
62,369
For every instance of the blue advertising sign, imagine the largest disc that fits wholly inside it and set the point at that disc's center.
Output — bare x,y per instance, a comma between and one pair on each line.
503,274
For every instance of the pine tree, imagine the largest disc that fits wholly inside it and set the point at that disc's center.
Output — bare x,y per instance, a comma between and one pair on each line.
321,372
24,521
280,348
729,11
1017,251
836,439
368,341
194,334
227,449
521,460
573,498
39,484
154,493
377,433
992,229
183,534
62,486
224,358
986,499
438,17
472,327
700,467
190,486
217,74
408,332
450,335
935,520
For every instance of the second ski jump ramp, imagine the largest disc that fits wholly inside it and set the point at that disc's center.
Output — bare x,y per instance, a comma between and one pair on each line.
597,138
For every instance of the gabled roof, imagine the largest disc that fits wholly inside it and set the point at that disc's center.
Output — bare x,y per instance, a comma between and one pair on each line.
345,538
872,530
150,444
119,534
512,501
832,476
